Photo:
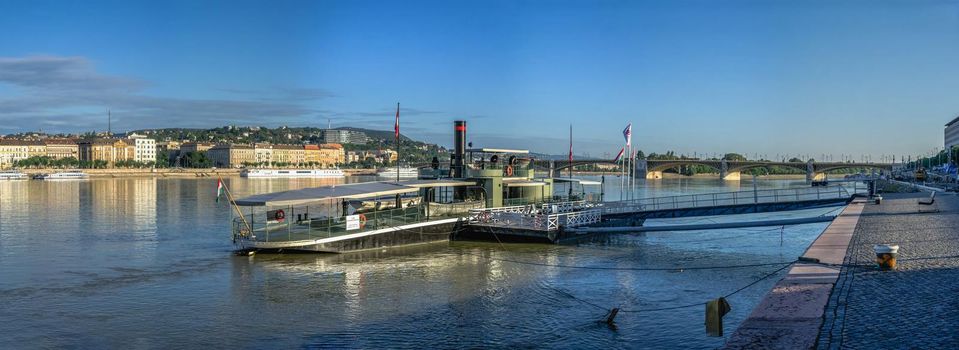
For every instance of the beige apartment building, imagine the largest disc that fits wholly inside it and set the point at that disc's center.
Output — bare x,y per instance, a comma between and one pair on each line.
62,148
108,150
230,155
195,147
289,154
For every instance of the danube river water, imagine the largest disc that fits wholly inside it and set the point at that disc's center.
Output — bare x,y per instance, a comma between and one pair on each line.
147,263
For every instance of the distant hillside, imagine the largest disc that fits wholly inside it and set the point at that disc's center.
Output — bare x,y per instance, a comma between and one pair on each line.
248,134
377,134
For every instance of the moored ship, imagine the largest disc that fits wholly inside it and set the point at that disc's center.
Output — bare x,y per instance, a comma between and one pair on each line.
63,175
404,173
12,175
292,173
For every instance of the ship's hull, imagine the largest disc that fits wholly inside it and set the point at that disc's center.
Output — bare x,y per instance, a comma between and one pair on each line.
404,235
292,174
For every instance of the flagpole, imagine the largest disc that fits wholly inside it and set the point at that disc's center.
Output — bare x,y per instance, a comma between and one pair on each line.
229,197
629,169
570,194
397,129
397,142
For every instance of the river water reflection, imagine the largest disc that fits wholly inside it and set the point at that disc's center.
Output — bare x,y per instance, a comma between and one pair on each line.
143,262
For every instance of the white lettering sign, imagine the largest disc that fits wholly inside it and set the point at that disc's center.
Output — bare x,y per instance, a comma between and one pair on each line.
352,222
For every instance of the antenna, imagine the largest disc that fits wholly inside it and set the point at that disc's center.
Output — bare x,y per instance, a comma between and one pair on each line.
329,124
109,122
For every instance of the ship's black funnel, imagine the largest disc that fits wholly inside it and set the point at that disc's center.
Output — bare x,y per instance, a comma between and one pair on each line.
459,147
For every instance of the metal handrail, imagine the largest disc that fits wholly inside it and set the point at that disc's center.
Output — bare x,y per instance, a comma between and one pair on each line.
725,198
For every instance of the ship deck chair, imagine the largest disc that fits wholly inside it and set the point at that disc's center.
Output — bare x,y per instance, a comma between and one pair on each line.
931,201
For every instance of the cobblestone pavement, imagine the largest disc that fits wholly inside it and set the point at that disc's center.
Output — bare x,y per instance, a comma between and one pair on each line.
914,307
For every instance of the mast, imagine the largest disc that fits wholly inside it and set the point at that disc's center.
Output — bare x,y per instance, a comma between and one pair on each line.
109,123
396,132
397,142
570,160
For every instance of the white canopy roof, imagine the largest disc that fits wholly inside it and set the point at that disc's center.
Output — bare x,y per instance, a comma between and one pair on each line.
579,181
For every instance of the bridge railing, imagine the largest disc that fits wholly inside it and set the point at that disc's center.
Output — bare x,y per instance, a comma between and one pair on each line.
726,198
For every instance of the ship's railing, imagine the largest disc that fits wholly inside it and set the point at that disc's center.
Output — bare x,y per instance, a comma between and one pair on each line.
292,228
726,198
547,207
548,218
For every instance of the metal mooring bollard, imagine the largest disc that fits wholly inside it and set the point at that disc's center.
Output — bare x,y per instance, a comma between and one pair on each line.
886,256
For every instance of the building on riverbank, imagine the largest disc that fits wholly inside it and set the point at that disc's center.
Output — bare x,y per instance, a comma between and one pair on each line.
231,155
106,150
171,148
36,148
12,151
325,155
62,148
189,147
144,148
289,154
951,134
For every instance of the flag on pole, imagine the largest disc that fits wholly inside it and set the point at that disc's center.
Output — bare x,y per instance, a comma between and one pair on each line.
396,125
628,133
620,154
219,189
571,145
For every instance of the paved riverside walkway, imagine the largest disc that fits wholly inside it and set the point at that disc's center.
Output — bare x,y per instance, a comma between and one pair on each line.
790,315
914,307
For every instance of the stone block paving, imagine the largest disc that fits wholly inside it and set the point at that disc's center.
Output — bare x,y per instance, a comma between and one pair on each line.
914,307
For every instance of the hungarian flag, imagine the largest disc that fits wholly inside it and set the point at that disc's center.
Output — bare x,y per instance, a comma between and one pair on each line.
620,154
396,125
219,190
628,133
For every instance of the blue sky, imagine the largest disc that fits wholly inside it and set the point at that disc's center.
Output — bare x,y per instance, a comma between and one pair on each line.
773,77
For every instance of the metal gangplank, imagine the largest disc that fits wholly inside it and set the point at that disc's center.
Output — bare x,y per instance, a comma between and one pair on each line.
722,199
554,216
541,217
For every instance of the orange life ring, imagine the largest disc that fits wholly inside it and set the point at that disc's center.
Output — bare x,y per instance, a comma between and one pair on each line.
280,215
362,220
509,170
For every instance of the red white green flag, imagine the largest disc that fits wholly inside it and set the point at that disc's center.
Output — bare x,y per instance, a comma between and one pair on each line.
219,190
621,150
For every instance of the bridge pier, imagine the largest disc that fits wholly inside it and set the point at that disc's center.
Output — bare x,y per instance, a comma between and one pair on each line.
725,174
731,175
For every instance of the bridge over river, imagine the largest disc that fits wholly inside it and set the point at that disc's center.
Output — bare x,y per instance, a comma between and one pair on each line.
727,169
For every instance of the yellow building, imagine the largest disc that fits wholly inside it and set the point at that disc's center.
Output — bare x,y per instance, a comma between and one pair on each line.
331,154
36,149
231,156
107,150
62,148
293,155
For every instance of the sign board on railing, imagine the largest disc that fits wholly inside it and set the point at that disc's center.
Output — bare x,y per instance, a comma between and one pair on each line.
352,222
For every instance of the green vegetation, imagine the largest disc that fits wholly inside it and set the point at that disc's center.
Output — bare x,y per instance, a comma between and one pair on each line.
64,163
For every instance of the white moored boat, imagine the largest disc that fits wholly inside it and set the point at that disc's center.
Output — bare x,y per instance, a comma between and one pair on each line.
405,173
308,173
64,175
12,175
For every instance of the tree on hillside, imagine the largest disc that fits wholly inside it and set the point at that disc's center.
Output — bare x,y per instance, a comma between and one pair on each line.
734,157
